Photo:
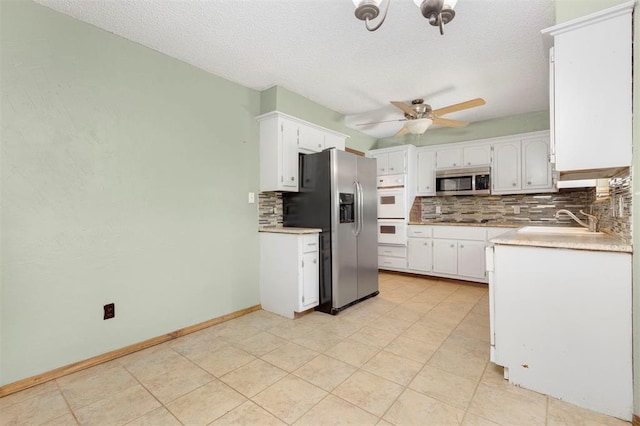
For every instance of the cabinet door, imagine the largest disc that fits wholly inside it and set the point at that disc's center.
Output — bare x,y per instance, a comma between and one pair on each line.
310,139
397,162
382,161
593,94
448,158
334,141
505,172
471,259
426,173
289,152
310,290
445,256
477,155
420,254
536,167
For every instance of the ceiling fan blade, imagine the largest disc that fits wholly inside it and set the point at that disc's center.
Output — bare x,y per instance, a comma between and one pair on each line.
449,123
459,107
401,132
377,122
404,107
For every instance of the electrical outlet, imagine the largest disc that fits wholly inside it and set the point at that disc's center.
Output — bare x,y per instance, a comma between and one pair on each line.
109,311
438,210
516,209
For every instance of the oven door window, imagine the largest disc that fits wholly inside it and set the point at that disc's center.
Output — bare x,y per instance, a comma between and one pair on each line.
387,199
387,229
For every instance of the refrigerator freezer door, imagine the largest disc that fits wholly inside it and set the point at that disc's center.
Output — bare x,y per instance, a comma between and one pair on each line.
344,250
368,238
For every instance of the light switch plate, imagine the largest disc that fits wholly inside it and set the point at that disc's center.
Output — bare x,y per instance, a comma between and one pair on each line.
516,209
252,197
438,209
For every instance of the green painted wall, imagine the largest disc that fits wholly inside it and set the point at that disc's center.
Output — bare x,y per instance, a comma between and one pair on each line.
277,98
570,9
124,179
504,126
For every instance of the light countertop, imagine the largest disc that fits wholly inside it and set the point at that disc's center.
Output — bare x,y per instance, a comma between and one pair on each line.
289,230
599,242
482,224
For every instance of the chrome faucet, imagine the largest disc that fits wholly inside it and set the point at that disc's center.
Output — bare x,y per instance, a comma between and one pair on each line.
593,221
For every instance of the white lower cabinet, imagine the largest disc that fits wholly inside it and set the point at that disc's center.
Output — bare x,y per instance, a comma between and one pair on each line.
289,272
419,249
445,256
561,324
450,251
471,259
392,257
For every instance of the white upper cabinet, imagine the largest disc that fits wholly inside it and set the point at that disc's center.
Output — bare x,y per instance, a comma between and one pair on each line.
592,90
505,172
447,158
426,173
390,161
310,139
332,140
521,165
536,167
476,155
282,138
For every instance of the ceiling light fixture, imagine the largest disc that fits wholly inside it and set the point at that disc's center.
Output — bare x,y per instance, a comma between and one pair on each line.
418,126
438,12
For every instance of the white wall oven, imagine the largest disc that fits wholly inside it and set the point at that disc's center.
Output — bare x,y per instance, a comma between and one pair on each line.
392,197
392,231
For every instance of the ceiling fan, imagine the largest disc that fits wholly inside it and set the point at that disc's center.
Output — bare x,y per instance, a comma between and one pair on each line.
419,116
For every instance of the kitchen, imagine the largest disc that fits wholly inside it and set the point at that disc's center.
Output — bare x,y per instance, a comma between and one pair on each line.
129,215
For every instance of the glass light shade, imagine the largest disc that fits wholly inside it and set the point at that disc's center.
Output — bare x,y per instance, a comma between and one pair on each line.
418,126
450,3
447,3
357,3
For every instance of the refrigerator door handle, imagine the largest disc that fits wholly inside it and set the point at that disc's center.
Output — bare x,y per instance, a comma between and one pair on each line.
356,213
360,205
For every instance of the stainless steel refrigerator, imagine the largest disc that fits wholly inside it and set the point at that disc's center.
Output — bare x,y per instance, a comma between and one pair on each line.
338,195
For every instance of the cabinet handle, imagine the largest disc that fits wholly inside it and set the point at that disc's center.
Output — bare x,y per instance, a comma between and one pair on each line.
469,163
452,246
387,251
513,184
391,168
292,179
454,164
529,183
461,246
428,187
319,146
426,244
315,261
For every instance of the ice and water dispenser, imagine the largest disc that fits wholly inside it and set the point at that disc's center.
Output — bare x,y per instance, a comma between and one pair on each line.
346,208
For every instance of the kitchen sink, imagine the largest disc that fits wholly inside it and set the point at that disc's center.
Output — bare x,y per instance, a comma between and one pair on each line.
559,230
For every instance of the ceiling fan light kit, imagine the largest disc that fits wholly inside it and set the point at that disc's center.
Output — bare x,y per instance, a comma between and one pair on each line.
418,126
437,12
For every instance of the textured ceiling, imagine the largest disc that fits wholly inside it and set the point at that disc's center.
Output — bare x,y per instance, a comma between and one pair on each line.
317,48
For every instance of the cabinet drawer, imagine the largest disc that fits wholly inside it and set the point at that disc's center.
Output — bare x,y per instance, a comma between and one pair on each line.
392,251
460,233
392,262
419,231
310,243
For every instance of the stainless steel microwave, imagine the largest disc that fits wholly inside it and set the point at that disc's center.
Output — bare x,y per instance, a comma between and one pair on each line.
468,181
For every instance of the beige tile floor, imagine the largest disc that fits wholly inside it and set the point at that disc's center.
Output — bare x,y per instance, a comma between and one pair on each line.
417,353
